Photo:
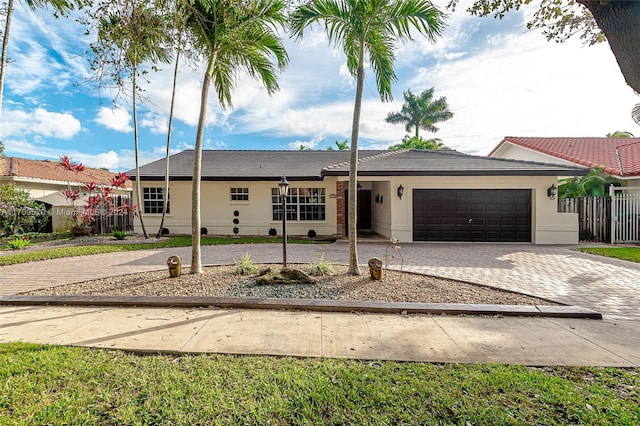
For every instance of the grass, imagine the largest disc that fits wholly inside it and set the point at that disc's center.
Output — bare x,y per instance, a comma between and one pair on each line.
177,241
42,384
625,253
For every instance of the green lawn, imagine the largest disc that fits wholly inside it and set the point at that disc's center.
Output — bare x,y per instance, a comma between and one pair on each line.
625,253
178,241
63,385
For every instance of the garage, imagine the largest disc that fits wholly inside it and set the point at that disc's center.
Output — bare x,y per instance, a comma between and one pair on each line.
480,215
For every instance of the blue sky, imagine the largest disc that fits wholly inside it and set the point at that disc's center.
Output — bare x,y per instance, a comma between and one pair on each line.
499,79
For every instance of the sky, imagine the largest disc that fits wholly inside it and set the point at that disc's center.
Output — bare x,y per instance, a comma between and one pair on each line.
499,78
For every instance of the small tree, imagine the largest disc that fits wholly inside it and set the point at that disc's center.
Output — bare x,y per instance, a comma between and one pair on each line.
416,142
595,184
20,213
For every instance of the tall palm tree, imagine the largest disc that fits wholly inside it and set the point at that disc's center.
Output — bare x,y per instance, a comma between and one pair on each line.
367,28
128,37
233,36
421,112
59,6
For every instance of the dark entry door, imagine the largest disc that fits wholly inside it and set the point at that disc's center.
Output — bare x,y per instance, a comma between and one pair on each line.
494,215
364,210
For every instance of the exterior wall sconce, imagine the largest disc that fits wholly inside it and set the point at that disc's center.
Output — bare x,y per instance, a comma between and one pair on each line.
400,191
552,191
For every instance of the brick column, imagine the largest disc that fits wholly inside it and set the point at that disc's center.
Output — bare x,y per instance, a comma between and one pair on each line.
340,206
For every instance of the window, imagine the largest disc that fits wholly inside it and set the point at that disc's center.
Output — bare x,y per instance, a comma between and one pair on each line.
302,204
153,198
239,194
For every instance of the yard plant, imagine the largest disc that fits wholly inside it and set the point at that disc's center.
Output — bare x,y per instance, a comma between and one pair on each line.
176,241
631,254
64,385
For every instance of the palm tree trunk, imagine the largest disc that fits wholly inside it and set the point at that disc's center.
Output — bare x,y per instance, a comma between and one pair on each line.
354,268
137,155
165,201
3,61
196,219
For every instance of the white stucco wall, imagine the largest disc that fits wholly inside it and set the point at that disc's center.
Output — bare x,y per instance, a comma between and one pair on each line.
548,226
255,216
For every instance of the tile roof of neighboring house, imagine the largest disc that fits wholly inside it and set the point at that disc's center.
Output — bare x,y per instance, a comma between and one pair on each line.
313,165
51,170
618,156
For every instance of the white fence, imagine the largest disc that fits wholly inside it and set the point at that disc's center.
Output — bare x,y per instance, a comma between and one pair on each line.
625,215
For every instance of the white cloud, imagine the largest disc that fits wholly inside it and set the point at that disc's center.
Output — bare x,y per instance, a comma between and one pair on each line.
40,122
117,119
553,90
310,144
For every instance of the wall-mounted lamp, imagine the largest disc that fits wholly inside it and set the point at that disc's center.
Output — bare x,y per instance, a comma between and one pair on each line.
377,199
552,191
400,191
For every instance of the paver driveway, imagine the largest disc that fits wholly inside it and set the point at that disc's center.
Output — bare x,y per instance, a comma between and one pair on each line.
609,286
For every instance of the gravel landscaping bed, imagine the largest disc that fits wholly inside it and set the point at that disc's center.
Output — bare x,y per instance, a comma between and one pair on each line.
222,281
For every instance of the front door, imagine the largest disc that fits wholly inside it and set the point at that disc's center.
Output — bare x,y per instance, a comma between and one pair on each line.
364,210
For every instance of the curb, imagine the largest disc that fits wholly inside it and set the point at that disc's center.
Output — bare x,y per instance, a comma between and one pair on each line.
320,305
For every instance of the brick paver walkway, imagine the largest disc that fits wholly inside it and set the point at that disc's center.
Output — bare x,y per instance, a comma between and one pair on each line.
609,286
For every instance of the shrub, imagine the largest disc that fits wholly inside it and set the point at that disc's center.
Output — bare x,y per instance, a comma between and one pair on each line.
321,266
19,213
165,231
18,242
119,235
245,265
204,231
311,233
236,230
236,221
273,232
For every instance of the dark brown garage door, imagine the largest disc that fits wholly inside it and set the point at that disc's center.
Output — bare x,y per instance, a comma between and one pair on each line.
499,215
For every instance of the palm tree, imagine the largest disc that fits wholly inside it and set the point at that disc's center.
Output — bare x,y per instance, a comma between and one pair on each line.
232,35
367,28
620,134
416,142
60,6
138,34
421,112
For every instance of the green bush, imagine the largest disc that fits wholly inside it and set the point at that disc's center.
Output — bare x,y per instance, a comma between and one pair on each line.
19,213
18,242
245,266
119,235
321,267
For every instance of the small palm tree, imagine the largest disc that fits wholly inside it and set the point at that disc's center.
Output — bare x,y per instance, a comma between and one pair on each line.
421,112
367,28
418,143
620,134
232,35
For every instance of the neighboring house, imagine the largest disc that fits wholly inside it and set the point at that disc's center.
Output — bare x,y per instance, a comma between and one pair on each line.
45,179
619,157
409,195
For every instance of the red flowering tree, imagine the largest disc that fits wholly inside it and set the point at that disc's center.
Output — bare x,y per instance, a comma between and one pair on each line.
100,200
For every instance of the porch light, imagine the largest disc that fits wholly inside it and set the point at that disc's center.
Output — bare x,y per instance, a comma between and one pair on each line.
283,189
552,191
400,191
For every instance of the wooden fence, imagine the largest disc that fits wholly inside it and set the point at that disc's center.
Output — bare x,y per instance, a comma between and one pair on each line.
594,216
118,219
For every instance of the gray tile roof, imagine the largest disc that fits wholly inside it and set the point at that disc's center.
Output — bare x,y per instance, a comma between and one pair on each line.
224,165
450,163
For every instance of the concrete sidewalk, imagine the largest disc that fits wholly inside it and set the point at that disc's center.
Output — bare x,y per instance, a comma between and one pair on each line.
478,339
